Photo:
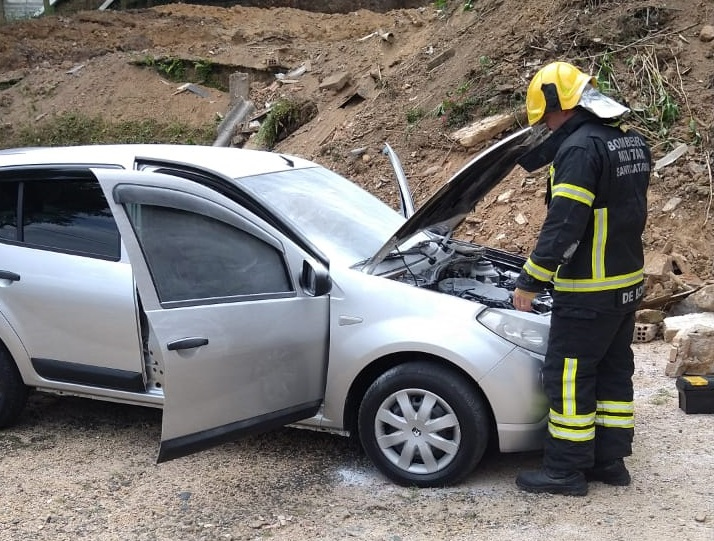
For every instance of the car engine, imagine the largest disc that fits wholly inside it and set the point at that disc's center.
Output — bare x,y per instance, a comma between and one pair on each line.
472,272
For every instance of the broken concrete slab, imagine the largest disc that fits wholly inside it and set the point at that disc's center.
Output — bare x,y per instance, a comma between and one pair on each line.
675,324
692,352
483,130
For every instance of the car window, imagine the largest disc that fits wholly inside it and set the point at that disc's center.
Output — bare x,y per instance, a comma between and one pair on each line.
8,210
193,257
60,215
344,221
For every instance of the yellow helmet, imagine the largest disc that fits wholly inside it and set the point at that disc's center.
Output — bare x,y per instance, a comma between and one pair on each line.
557,86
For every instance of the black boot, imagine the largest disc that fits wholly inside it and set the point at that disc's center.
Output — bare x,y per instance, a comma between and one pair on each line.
568,483
612,472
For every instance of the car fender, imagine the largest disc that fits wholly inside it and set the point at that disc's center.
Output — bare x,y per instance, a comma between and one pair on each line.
401,319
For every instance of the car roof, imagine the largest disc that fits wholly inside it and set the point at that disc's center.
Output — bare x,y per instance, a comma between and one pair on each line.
231,162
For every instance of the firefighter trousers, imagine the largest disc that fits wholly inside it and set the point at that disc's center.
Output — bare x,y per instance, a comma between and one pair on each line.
587,377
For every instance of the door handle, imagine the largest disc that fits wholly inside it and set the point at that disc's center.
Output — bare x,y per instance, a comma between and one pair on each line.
187,343
9,275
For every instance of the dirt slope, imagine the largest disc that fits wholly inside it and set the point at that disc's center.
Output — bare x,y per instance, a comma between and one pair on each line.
464,64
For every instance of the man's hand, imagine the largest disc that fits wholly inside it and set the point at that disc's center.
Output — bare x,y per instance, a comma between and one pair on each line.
523,300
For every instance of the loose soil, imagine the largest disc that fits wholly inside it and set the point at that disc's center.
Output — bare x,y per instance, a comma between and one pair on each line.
76,469
436,61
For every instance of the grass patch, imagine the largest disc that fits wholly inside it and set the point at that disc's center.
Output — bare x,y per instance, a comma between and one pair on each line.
414,115
76,129
284,118
181,70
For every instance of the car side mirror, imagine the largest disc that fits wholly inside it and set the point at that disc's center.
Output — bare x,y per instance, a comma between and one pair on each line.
315,282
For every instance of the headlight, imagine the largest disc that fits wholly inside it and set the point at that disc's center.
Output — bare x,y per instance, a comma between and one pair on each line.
529,331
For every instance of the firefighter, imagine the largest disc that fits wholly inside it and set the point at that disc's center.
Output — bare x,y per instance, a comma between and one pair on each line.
589,250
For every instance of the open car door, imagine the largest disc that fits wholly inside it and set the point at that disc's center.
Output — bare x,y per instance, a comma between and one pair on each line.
238,314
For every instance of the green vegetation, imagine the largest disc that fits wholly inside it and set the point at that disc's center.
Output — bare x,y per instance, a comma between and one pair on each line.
285,116
204,71
457,113
415,114
75,129
655,106
186,71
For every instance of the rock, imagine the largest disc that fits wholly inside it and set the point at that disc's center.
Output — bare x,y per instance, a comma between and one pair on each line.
335,82
703,299
521,219
430,171
672,204
658,265
505,197
706,33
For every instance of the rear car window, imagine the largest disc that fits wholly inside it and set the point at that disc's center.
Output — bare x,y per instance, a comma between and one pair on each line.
70,216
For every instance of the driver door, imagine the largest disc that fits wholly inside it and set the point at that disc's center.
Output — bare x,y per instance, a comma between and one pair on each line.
239,315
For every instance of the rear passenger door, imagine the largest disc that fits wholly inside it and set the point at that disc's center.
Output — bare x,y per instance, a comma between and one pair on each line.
239,315
66,285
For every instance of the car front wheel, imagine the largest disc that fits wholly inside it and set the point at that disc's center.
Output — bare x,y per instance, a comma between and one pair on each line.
13,392
423,424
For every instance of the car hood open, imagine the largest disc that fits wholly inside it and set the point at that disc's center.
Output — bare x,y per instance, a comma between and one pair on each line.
448,207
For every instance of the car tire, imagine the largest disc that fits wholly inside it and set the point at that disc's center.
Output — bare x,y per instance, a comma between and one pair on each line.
436,447
13,392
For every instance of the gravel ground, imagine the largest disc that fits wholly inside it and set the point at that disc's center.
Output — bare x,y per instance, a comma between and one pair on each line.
79,469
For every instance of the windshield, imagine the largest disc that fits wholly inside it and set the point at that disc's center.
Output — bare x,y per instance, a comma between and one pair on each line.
344,221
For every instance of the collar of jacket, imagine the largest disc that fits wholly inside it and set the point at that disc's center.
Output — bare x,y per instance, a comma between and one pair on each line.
544,153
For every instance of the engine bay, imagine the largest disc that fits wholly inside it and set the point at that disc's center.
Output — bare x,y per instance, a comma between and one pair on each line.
469,271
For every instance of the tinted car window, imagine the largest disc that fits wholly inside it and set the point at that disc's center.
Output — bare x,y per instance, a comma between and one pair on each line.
196,257
67,216
8,210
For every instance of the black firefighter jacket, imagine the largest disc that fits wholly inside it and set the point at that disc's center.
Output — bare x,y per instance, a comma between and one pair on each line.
590,245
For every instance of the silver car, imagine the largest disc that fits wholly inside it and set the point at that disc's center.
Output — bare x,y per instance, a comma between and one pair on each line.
243,290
